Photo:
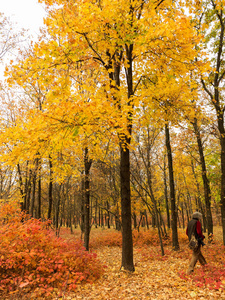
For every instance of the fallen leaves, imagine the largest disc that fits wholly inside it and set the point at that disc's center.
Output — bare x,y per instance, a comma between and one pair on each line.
155,277
34,262
151,280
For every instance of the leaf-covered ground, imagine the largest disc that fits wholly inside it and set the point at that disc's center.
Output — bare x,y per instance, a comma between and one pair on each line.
153,279
157,277
34,264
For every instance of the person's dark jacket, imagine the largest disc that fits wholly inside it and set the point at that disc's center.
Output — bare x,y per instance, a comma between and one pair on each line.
194,226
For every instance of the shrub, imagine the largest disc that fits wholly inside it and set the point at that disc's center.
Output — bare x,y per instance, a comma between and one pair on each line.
106,238
140,238
33,259
148,238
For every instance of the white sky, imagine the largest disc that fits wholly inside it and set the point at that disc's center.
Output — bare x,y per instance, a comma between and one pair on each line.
27,14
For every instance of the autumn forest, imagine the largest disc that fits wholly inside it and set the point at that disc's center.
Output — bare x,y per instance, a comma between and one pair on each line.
112,135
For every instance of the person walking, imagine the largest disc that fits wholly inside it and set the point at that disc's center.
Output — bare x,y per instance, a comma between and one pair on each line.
194,227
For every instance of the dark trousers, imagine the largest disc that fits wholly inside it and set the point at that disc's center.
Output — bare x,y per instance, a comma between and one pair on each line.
196,256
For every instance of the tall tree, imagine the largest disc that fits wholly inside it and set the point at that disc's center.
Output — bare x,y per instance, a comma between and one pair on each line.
122,44
213,16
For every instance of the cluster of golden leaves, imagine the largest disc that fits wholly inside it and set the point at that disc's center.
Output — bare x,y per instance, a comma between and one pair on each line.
66,75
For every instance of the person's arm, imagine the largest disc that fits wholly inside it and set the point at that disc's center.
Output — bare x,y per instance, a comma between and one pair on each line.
199,230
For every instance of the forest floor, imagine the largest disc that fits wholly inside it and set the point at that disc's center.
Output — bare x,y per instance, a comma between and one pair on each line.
155,277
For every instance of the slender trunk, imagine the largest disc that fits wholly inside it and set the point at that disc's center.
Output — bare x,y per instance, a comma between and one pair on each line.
117,219
153,220
207,192
82,220
222,141
28,190
33,194
156,215
87,167
187,211
102,219
39,198
50,190
182,214
99,217
166,195
96,212
151,193
108,215
218,104
162,223
135,220
199,201
146,218
57,210
22,204
175,243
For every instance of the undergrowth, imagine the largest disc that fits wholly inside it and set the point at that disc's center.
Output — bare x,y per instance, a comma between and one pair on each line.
33,260
34,263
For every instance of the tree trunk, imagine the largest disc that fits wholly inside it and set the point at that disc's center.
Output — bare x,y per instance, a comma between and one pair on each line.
22,204
125,139
166,194
182,214
96,212
216,98
222,142
57,209
162,223
82,219
50,190
39,198
28,191
33,194
199,201
127,243
146,218
207,192
135,220
175,243
108,215
87,167
153,220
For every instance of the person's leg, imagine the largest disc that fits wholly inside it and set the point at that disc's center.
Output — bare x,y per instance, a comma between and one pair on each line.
201,259
194,259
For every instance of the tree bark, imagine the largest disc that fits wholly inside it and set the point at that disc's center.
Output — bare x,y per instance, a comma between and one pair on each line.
87,167
222,202
215,97
127,242
39,198
166,195
28,191
50,190
33,193
207,191
125,139
175,243
199,201
22,204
